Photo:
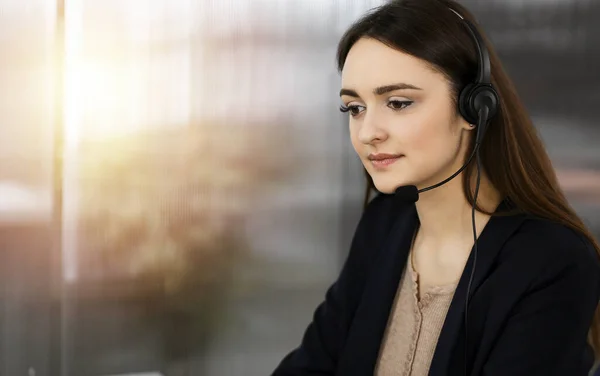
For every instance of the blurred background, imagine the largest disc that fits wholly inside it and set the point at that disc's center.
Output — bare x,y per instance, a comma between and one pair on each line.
177,188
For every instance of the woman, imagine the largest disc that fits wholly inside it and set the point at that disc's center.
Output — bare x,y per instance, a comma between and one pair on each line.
398,306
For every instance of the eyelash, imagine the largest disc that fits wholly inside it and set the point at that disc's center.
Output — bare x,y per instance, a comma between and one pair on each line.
402,105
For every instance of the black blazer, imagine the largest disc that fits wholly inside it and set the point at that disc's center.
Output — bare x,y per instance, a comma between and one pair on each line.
535,289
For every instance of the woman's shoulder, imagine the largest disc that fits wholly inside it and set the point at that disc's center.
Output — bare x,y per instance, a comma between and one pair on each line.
548,245
555,240
381,213
378,208
374,226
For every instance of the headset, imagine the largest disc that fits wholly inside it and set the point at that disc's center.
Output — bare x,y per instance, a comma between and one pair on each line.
478,103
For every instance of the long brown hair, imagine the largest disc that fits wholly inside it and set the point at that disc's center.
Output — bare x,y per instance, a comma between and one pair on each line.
512,154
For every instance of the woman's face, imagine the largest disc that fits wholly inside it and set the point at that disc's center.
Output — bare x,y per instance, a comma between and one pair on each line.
404,124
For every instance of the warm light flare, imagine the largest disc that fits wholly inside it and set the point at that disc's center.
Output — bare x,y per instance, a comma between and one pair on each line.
154,189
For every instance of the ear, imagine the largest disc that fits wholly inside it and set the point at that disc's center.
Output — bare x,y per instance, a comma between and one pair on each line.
460,123
464,125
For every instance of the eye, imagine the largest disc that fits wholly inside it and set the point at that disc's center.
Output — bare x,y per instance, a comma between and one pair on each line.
399,105
354,110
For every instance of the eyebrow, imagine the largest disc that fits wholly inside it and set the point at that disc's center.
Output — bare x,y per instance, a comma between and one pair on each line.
382,89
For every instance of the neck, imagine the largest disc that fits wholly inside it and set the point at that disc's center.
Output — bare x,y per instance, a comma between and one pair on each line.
445,214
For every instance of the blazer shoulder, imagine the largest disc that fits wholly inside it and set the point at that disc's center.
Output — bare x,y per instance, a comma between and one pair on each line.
381,204
374,226
380,214
543,242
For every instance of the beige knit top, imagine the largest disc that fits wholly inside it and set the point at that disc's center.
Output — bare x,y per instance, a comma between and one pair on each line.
414,326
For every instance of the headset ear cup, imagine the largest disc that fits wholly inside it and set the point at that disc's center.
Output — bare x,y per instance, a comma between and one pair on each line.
484,94
464,104
472,96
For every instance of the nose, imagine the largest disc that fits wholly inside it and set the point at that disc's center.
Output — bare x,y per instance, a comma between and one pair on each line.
371,131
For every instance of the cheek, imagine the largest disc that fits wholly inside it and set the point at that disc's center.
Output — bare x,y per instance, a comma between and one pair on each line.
417,135
356,144
428,139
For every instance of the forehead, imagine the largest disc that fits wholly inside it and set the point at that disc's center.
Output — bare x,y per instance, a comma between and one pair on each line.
371,63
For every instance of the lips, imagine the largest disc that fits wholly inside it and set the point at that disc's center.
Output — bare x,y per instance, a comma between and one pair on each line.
382,156
383,160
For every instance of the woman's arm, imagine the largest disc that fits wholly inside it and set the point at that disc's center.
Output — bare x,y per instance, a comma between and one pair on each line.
546,334
325,336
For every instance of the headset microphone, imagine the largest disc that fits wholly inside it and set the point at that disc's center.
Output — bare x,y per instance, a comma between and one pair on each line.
477,103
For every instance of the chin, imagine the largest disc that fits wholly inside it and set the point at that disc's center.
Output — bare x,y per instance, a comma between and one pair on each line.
388,185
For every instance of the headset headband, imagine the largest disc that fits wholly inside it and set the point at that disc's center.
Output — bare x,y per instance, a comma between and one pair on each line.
484,69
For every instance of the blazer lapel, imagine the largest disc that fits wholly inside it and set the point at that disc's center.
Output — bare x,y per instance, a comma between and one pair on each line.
371,317
491,240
